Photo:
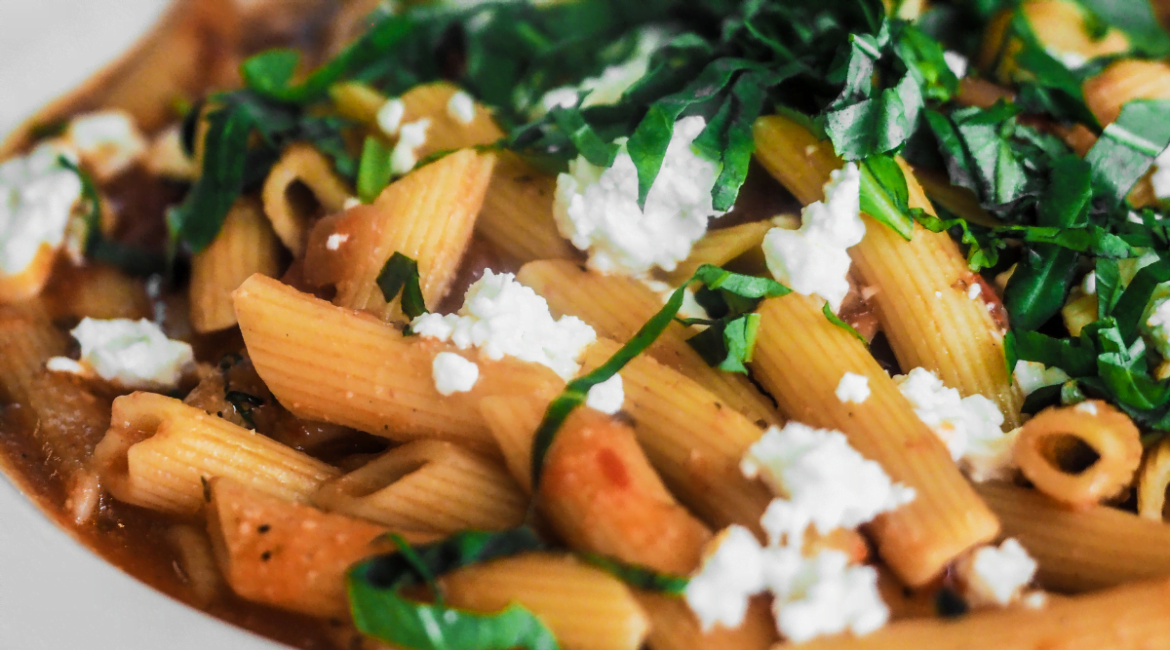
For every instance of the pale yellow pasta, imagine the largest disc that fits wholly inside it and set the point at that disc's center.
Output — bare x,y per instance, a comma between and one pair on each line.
673,626
721,246
357,101
27,339
95,291
584,607
428,215
1080,310
1153,480
956,199
301,187
1123,81
800,358
921,288
331,364
1059,25
1049,448
245,245
617,306
517,215
287,554
159,453
431,486
693,439
1133,617
1081,549
447,132
196,560
26,284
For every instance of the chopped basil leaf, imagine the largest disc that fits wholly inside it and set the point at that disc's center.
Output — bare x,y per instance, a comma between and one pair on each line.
884,194
374,172
836,320
1127,147
639,577
400,275
381,611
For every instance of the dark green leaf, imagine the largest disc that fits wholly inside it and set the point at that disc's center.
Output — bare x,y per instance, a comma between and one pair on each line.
1136,18
639,577
1128,146
400,274
884,195
374,172
836,320
1131,305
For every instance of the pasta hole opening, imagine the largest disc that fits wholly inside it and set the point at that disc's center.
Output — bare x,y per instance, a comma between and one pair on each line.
302,203
386,475
1068,453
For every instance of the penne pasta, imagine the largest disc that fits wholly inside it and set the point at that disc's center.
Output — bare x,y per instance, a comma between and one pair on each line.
586,608
921,287
1083,549
286,554
1123,81
428,215
197,562
1153,481
245,245
517,215
366,375
27,340
800,358
616,307
429,486
301,188
95,291
1134,617
159,453
674,627
693,439
447,131
720,247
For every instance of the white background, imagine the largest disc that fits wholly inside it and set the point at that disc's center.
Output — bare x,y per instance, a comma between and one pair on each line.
54,594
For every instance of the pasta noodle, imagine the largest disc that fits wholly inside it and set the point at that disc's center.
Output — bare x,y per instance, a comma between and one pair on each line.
159,453
1122,81
1049,452
245,245
428,216
197,561
617,306
721,246
366,375
517,214
429,486
299,188
802,372
585,608
1152,482
921,285
1086,549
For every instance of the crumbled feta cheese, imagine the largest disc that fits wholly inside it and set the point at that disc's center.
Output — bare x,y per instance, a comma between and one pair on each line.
597,209
822,476
974,291
1087,407
690,306
1089,283
108,142
410,137
132,354
853,388
37,196
461,107
1031,376
996,576
969,426
1158,325
732,572
501,317
1160,176
956,62
814,259
65,364
612,83
390,116
169,159
453,374
335,240
1071,60
351,202
608,396
822,595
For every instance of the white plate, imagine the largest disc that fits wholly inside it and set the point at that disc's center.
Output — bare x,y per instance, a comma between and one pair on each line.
54,593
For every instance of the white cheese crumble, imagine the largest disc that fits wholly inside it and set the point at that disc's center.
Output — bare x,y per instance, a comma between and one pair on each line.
390,116
351,202
597,209
36,199
996,576
132,354
1087,407
822,595
1158,326
974,291
826,480
108,142
956,62
461,108
501,317
410,137
969,426
453,374
1031,376
167,157
335,240
814,259
1089,283
608,396
608,87
732,572
1160,175
690,306
853,388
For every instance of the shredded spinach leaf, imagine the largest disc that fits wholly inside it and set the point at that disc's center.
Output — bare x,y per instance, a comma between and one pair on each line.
639,577
400,275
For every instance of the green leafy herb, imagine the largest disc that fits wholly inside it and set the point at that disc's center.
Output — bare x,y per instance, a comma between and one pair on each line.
380,609
1135,18
639,577
836,320
400,275
374,172
885,196
244,403
1128,147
